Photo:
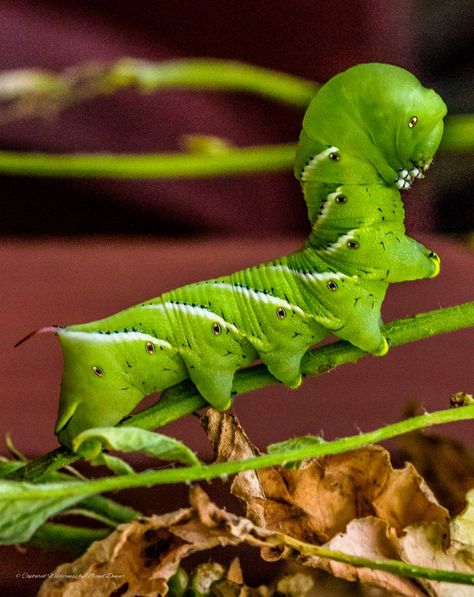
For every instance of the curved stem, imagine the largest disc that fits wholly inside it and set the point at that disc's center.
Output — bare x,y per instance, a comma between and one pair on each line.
63,490
183,399
221,75
27,93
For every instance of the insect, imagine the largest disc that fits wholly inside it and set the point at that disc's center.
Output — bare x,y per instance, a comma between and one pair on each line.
369,132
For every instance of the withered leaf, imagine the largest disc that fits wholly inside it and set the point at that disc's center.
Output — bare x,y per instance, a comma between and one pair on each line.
353,502
446,464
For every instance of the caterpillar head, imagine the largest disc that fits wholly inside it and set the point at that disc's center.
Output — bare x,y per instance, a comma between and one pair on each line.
382,115
420,131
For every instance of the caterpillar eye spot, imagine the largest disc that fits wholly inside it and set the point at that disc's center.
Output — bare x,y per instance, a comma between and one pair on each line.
281,313
335,157
150,347
216,329
97,371
352,244
341,199
332,285
413,120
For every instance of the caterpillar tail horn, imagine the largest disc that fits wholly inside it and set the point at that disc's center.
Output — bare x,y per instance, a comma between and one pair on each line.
47,329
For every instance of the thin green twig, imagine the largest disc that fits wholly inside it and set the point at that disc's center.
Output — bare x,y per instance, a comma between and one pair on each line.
387,565
459,133
30,92
228,161
65,537
168,476
232,160
183,399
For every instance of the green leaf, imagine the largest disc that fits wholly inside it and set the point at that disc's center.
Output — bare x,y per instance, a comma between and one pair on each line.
8,466
117,465
295,443
20,516
133,439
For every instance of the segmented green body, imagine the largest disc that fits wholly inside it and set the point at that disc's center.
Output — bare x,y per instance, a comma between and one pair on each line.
354,154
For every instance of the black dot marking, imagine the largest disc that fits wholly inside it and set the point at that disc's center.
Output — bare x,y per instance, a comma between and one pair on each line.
341,199
216,328
352,244
97,371
332,285
335,157
281,313
413,120
150,347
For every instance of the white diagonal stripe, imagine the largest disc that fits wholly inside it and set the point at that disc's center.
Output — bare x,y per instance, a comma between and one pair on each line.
114,336
311,165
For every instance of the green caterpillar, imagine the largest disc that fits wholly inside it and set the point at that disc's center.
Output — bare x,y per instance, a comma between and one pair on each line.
368,132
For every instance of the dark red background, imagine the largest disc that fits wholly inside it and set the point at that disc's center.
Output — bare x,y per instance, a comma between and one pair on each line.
307,38
208,227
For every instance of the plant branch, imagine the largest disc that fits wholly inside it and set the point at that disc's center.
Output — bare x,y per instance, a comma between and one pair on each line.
26,93
65,537
64,490
387,565
183,399
227,161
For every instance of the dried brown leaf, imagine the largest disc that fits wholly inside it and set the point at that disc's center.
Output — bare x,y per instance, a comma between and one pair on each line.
368,537
230,442
424,545
446,464
319,499
353,502
140,557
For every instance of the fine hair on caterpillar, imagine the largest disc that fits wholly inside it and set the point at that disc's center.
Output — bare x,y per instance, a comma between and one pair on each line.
368,133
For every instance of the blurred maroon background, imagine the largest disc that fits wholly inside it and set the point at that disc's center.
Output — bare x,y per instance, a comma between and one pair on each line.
66,280
307,38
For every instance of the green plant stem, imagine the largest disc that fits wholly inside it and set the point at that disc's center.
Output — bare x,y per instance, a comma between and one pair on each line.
62,490
387,565
183,399
219,75
458,134
234,160
226,162
109,509
34,92
65,537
